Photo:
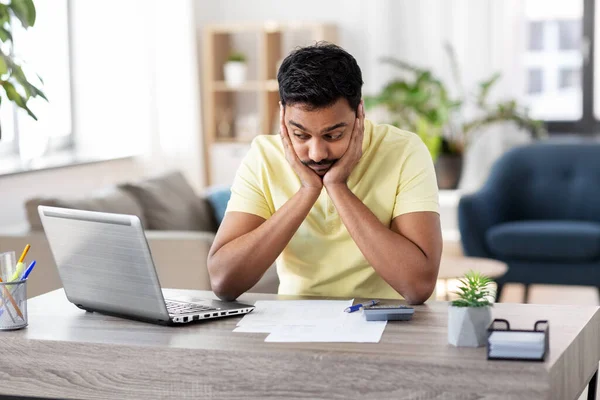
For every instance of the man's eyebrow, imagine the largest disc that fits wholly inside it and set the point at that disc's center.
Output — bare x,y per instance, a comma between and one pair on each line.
334,127
297,125
329,129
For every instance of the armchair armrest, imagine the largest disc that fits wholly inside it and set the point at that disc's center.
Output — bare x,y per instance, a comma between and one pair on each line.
477,213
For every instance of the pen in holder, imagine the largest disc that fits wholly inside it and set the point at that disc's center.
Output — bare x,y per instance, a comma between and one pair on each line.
8,265
13,305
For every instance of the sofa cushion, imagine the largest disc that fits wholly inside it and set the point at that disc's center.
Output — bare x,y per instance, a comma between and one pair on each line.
110,200
218,197
170,203
556,241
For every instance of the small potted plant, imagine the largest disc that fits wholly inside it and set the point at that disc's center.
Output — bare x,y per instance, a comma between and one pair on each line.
470,315
235,69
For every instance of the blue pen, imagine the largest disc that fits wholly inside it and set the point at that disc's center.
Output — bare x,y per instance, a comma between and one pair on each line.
357,307
28,271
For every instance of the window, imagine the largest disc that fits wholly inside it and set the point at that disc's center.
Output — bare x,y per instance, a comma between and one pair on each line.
536,35
7,124
534,81
553,60
45,49
568,101
569,34
569,78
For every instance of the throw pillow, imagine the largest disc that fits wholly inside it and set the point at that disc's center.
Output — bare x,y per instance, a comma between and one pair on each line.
218,197
170,203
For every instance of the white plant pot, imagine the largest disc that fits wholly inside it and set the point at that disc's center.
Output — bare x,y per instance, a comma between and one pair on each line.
235,73
467,326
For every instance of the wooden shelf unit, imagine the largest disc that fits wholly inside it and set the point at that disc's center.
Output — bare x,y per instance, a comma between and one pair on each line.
218,43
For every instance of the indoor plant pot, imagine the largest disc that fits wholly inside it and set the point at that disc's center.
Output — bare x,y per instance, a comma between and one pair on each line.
470,315
448,169
467,326
235,73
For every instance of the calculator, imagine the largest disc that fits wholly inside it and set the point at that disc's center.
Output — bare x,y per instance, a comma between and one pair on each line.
388,312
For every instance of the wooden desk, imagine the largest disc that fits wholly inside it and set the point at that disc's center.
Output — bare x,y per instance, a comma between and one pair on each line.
67,353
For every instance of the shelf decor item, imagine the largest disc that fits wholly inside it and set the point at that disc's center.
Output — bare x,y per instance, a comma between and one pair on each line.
235,69
224,128
470,315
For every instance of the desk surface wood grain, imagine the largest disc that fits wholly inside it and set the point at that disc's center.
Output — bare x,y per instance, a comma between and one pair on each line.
68,353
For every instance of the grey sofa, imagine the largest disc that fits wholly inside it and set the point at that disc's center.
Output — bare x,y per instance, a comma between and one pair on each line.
180,228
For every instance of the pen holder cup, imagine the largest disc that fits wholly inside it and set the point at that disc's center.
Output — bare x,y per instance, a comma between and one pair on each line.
13,305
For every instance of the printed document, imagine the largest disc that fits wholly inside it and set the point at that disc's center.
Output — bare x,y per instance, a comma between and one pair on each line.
310,321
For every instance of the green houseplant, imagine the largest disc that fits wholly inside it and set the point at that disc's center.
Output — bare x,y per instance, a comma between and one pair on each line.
17,86
237,56
470,315
421,102
235,69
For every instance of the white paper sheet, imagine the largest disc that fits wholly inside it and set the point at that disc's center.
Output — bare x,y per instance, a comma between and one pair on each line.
351,327
310,321
255,328
269,314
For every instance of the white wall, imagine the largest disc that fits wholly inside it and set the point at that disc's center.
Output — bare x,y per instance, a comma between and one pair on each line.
135,90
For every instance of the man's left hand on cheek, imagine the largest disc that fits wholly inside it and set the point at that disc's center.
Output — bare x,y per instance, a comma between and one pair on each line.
341,170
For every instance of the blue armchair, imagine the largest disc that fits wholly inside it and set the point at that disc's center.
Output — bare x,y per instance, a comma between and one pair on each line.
539,212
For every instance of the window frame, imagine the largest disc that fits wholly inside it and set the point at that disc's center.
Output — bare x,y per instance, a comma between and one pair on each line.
588,124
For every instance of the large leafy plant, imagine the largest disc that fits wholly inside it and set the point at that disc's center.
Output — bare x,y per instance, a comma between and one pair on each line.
421,102
474,291
17,86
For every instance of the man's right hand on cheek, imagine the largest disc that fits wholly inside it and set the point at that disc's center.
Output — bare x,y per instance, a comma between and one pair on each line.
308,178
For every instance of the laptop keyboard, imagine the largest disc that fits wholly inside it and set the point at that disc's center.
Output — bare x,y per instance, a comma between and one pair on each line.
175,307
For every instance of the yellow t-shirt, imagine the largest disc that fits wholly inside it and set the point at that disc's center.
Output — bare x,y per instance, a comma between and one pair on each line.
394,176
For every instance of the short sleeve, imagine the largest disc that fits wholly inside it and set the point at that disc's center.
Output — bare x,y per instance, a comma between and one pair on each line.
417,185
248,192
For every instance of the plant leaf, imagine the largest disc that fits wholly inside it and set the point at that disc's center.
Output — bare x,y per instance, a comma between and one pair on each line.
25,11
485,87
5,35
473,290
3,66
14,96
38,92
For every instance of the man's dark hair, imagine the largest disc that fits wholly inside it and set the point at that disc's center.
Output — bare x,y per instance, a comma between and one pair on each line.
319,75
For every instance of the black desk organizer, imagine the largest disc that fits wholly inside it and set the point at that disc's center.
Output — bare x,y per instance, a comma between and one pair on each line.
503,325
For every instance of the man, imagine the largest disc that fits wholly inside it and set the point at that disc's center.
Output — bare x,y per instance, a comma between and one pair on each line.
347,207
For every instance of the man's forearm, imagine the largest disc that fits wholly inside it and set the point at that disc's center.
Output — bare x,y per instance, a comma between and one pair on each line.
399,261
239,264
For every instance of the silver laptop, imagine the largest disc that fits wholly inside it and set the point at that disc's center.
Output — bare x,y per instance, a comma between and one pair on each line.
105,265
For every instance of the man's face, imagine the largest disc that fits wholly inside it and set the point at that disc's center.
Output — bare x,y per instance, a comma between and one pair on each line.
320,137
